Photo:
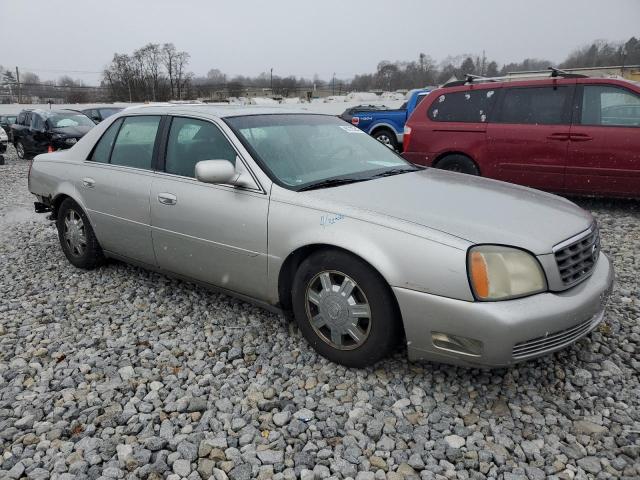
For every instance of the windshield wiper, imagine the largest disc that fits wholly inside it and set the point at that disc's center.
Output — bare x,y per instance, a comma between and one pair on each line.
331,182
394,171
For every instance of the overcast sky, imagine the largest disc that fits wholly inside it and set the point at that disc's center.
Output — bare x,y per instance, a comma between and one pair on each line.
298,37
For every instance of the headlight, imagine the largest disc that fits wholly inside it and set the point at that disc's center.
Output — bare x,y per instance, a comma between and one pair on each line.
501,273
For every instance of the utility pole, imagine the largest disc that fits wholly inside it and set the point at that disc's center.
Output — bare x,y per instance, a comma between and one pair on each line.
333,84
19,87
271,81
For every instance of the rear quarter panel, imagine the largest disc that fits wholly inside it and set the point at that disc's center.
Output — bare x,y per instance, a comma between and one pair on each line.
431,140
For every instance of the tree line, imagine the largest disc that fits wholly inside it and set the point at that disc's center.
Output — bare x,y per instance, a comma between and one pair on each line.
152,73
159,72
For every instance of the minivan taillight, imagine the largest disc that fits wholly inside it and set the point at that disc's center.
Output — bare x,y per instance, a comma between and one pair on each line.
406,138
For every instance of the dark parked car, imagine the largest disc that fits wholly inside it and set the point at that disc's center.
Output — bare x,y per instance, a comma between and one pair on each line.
5,123
98,114
568,134
42,131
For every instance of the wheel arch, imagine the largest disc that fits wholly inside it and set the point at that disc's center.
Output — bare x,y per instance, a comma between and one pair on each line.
376,127
441,156
290,266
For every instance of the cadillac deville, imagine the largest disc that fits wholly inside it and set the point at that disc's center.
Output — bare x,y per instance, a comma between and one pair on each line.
304,213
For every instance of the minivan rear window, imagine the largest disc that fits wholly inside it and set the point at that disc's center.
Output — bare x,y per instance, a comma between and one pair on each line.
535,105
472,106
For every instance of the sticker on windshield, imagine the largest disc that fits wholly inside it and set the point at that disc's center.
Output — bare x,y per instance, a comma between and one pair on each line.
350,129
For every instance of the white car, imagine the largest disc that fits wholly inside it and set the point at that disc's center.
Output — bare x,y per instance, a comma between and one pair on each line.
4,140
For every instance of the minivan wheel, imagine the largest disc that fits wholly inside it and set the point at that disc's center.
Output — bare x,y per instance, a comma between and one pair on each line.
345,309
76,236
386,137
22,153
458,163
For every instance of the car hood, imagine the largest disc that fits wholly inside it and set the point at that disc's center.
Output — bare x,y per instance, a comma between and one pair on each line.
475,209
76,132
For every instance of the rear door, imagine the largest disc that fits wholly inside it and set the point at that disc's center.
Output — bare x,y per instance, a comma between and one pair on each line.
454,122
604,148
27,133
114,184
212,233
528,137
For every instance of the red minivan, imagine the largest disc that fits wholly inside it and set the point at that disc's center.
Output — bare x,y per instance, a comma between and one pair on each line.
567,134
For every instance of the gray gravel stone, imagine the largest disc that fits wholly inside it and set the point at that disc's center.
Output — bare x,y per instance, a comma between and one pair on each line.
123,373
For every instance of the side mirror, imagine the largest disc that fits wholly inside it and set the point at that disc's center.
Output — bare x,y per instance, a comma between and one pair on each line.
223,172
215,171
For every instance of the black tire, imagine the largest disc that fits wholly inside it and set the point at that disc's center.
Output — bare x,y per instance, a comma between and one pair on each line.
20,150
91,256
386,137
381,331
458,163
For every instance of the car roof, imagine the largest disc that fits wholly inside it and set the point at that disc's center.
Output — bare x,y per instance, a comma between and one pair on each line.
48,113
221,111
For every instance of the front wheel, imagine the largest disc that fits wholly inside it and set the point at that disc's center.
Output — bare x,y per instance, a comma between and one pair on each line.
345,309
77,239
387,137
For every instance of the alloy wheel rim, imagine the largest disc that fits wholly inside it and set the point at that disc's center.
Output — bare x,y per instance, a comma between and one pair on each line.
74,233
338,310
384,139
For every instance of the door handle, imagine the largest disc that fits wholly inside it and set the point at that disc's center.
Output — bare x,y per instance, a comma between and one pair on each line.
167,198
558,136
88,182
580,137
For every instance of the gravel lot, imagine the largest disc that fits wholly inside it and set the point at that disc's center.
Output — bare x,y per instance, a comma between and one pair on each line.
122,373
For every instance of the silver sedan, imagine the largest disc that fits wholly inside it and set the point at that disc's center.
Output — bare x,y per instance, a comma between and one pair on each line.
304,213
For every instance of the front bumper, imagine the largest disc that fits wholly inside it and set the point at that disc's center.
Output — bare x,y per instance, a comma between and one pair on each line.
511,330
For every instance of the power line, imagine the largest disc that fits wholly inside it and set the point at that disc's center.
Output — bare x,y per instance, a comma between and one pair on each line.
53,70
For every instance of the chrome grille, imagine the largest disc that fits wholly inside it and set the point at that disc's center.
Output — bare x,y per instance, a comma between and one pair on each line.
554,340
577,257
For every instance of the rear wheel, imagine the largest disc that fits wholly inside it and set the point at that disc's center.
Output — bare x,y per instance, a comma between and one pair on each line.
22,153
386,137
77,239
345,309
458,163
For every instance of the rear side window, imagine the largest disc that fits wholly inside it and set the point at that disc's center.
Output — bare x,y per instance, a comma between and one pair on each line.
103,149
609,106
472,106
191,141
536,105
21,118
37,123
135,141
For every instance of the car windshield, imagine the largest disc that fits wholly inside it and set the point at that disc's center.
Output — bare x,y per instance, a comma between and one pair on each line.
62,120
302,151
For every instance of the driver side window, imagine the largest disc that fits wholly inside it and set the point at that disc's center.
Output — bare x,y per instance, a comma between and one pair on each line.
191,141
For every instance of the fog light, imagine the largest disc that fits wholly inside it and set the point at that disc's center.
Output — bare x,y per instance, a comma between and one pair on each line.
456,344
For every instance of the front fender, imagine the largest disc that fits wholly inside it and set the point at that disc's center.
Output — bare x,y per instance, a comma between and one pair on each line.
403,259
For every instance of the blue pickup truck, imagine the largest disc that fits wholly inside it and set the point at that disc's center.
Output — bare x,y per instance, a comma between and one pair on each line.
383,123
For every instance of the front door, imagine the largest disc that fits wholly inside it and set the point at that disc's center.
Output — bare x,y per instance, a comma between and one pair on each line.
114,185
604,150
529,136
212,233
